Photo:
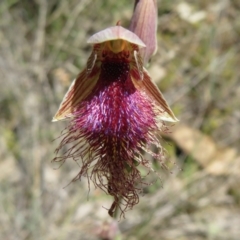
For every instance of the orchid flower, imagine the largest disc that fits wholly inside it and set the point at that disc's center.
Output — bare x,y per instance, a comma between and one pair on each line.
116,114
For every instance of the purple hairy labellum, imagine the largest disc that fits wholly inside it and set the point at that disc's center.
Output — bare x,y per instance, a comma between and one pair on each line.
116,114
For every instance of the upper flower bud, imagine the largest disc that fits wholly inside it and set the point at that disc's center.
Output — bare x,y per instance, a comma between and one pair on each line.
144,24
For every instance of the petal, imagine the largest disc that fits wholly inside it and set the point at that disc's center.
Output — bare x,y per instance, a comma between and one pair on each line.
151,90
115,33
79,90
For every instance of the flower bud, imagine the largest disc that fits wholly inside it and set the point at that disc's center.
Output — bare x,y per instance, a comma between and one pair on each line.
144,25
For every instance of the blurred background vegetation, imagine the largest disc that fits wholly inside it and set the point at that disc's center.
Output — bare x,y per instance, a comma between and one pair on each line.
43,47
